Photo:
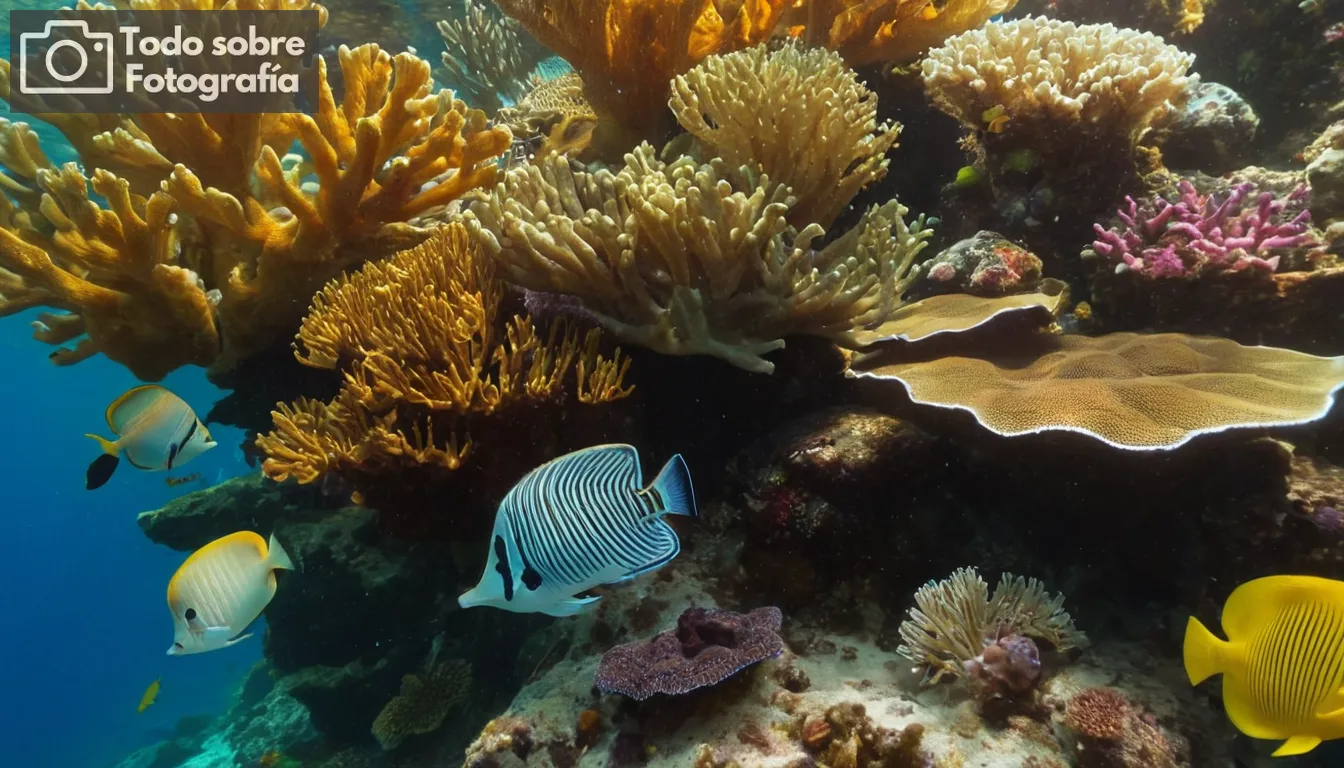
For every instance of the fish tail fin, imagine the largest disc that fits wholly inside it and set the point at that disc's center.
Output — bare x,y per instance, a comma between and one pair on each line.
1205,654
109,447
100,471
277,557
673,485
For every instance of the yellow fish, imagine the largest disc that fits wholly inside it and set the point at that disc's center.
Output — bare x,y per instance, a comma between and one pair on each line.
1283,661
221,589
151,693
156,430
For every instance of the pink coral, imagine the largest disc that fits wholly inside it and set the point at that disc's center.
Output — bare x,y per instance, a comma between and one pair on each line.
1199,233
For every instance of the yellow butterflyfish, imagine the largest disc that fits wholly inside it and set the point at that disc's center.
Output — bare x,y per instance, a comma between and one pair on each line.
151,693
155,430
1283,660
221,589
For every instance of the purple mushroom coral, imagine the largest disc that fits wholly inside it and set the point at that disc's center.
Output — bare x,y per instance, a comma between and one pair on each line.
706,648
1200,233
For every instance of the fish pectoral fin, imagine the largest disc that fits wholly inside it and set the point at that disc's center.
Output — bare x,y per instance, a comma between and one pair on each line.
571,606
1297,745
237,639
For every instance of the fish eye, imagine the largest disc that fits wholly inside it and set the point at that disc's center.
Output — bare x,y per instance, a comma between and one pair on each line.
190,614
180,646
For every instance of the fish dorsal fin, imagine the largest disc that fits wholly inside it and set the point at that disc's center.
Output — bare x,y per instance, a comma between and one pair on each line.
242,540
132,403
1257,602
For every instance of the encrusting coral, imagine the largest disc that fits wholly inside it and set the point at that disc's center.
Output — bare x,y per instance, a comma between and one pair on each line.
627,51
1111,732
670,256
956,621
210,243
419,339
487,56
553,117
1094,88
891,31
801,117
423,703
1132,391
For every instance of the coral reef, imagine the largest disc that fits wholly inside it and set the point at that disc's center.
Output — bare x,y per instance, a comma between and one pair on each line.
1138,392
418,337
628,51
669,256
958,629
1097,88
896,31
826,144
552,118
488,59
1112,734
423,703
208,244
706,648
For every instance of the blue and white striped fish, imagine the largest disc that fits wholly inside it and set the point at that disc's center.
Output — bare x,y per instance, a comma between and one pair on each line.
579,521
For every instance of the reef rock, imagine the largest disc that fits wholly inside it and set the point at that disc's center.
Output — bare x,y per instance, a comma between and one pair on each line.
1212,132
986,264
1326,177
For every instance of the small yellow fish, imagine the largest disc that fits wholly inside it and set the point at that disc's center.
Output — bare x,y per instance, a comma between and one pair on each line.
173,482
221,589
151,693
156,430
996,118
929,13
1283,660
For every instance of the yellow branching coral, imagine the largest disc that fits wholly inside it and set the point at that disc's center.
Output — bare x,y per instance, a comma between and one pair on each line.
487,56
627,51
211,242
893,31
1133,391
954,619
799,116
423,703
671,257
421,346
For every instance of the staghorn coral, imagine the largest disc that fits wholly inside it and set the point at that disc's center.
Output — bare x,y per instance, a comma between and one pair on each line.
670,256
956,620
801,117
706,648
418,338
1131,391
1200,233
893,31
1095,89
210,242
627,51
487,57
423,703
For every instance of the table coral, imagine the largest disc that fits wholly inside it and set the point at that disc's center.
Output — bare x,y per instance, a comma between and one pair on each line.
801,117
423,703
892,31
706,648
1094,88
627,51
1131,391
956,620
670,256
209,245
419,340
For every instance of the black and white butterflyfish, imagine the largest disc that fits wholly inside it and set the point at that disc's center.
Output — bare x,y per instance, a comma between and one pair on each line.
579,521
156,430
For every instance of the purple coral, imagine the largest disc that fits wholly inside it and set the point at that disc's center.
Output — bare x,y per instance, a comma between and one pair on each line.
706,648
1200,233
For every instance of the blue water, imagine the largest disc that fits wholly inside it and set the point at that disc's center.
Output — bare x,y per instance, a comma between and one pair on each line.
85,617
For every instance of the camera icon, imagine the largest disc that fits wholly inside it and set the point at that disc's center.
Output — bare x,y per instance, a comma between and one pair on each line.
72,34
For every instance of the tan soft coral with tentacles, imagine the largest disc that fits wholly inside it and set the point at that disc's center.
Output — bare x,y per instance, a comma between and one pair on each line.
423,351
212,242
889,31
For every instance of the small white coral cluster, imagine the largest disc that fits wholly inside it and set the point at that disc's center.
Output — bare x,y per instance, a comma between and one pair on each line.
1045,71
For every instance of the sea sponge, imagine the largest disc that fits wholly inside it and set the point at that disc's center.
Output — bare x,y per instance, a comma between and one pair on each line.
799,116
894,31
423,703
627,51
1131,391
955,620
210,243
670,256
421,346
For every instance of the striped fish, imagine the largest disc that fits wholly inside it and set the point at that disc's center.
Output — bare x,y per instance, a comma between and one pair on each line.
221,589
1283,661
156,430
579,521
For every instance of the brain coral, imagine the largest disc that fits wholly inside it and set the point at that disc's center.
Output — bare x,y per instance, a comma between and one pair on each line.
706,648
1133,391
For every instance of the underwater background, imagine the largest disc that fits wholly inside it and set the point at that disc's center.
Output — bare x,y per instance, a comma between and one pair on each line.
842,486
